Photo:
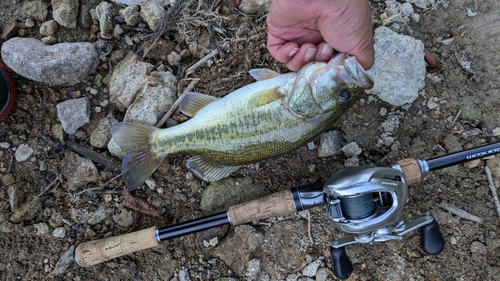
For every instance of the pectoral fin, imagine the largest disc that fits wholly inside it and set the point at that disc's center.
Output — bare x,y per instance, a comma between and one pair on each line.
207,170
260,74
264,97
193,102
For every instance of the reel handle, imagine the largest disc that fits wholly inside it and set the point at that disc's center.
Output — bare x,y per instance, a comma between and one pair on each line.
432,241
342,266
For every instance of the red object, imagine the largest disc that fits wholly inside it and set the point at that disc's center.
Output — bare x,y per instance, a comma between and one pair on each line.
7,91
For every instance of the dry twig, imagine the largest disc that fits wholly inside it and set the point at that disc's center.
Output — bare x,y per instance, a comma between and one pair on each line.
309,227
493,189
202,61
94,156
176,103
459,212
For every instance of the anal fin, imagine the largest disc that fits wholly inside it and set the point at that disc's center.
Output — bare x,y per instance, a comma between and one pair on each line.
207,170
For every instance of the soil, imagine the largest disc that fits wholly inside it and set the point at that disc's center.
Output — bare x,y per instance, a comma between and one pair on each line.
424,131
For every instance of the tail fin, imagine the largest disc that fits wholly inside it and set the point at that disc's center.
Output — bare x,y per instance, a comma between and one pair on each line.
138,162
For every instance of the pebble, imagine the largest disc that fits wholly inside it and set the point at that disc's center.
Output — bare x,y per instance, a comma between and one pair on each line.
41,228
65,12
97,216
495,132
330,144
78,171
16,196
37,9
352,149
383,111
29,23
101,136
59,64
253,7
478,248
158,93
311,269
399,69
415,17
131,15
28,211
253,269
49,28
4,145
127,79
59,232
124,219
469,110
23,153
102,13
183,275
73,114
153,13
173,58
323,274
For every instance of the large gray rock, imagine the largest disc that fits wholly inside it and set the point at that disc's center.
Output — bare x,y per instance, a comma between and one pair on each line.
399,69
60,64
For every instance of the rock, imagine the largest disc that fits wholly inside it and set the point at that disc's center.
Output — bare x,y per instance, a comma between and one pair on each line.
98,215
311,269
78,171
236,250
114,149
28,211
399,69
56,219
253,269
406,9
73,114
352,149
29,23
16,196
60,64
59,232
174,58
330,144
102,13
155,97
124,219
64,262
422,4
183,275
451,144
23,152
9,31
128,2
127,79
101,136
65,12
254,6
131,15
323,274
153,13
37,9
49,28
477,247
220,195
469,111
41,228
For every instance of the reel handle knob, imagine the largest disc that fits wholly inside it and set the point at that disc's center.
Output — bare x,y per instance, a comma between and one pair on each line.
432,241
342,266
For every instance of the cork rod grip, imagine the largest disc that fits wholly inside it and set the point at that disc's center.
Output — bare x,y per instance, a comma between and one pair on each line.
411,169
276,204
97,251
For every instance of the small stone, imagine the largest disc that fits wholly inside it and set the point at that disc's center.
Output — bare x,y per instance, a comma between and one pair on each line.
415,17
330,144
153,13
49,28
101,136
453,240
351,149
16,196
102,13
311,145
23,153
470,111
124,219
214,241
183,275
41,228
37,9
323,274
432,105
254,6
78,171
73,114
59,232
28,211
478,248
173,58
65,12
4,145
495,132
311,269
97,216
29,23
406,9
131,15
50,40
253,269
383,111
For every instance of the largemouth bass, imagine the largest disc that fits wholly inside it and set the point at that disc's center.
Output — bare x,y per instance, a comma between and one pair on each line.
268,118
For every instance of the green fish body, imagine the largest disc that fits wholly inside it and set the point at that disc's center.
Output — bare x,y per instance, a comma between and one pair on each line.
259,121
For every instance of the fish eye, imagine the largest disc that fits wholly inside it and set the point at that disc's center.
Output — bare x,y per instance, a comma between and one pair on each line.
345,95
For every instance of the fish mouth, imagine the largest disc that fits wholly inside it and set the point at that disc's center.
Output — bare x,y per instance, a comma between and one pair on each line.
350,71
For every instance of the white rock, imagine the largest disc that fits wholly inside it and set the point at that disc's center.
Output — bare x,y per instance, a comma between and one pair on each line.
311,269
73,114
23,152
59,232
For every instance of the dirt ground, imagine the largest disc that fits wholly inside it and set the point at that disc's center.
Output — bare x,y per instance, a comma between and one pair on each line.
424,131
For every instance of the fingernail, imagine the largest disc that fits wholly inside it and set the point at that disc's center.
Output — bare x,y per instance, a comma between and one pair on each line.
293,52
309,54
326,51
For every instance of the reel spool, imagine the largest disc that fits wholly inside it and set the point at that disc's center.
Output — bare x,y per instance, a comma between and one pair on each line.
368,201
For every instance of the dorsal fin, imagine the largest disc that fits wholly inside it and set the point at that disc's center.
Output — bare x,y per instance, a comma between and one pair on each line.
193,102
260,74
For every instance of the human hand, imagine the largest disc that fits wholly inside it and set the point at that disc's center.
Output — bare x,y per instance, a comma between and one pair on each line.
301,31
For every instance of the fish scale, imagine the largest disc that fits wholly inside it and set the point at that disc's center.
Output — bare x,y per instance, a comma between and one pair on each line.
262,120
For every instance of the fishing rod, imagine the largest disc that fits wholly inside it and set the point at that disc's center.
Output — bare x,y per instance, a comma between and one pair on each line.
365,201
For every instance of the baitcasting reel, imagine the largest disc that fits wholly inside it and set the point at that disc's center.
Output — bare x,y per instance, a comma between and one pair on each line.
367,201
